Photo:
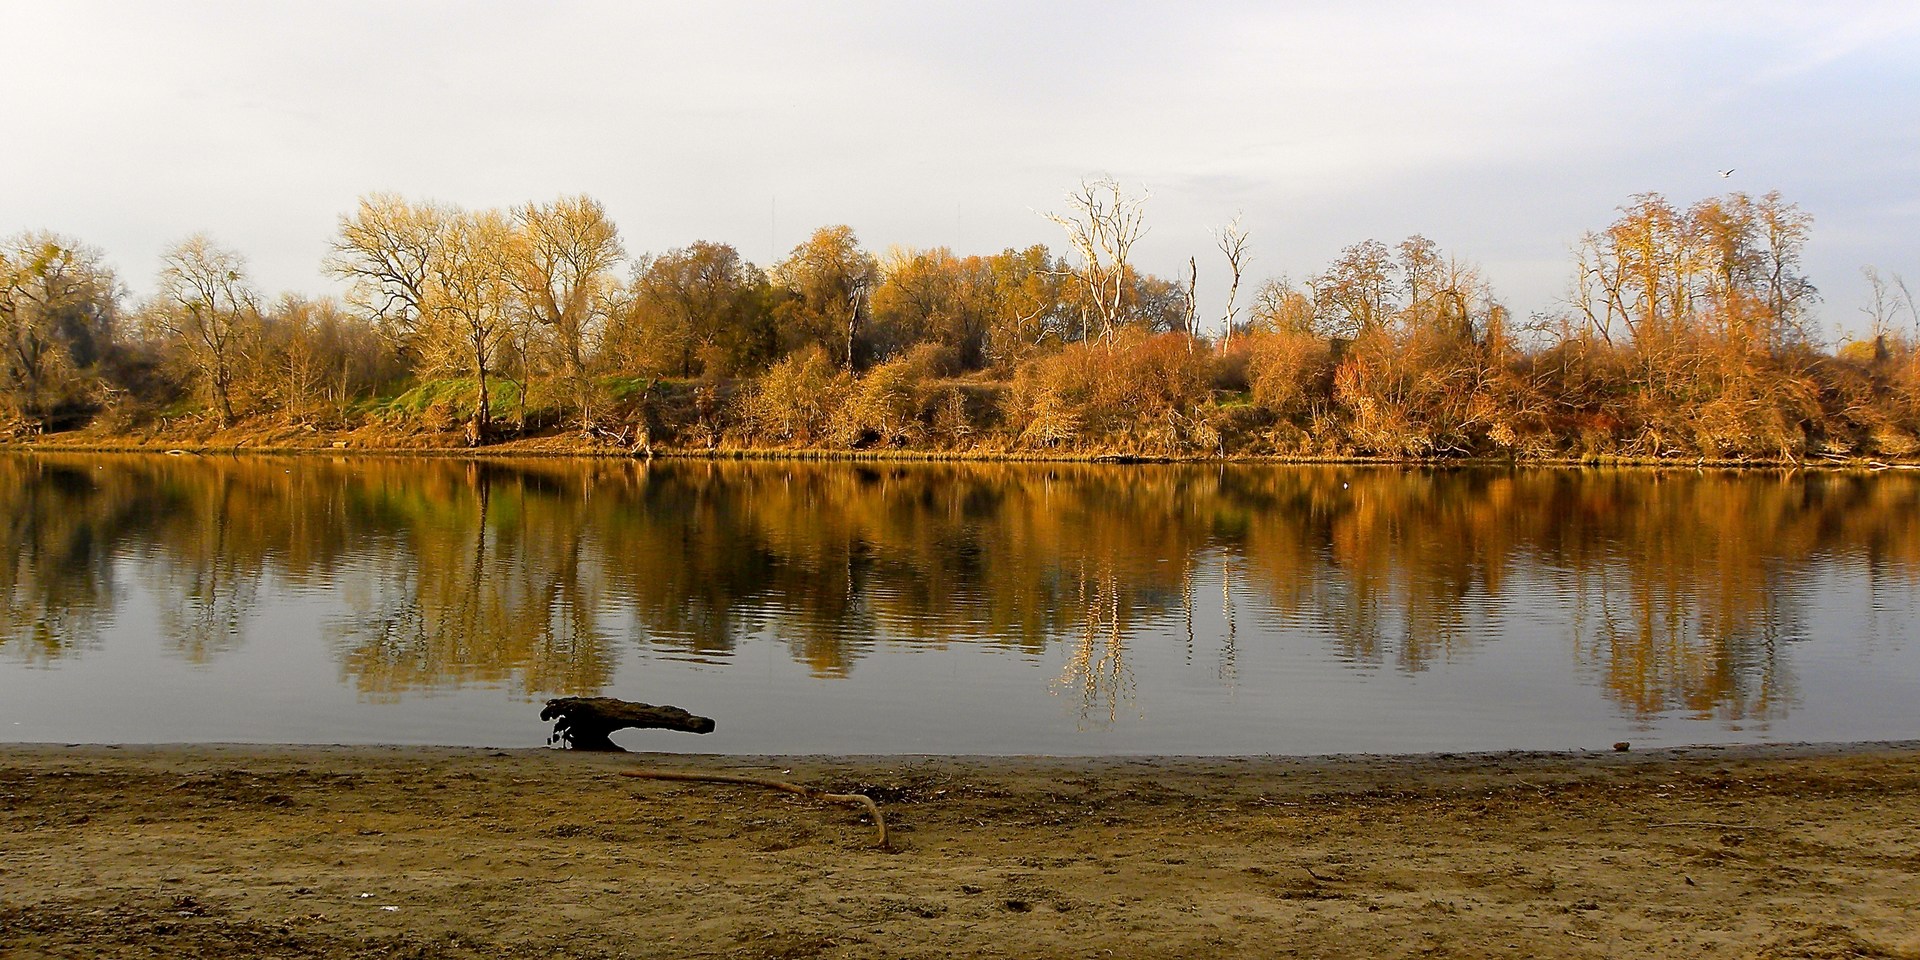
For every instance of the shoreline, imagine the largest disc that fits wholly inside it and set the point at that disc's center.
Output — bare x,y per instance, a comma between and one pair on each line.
315,851
531,449
1782,750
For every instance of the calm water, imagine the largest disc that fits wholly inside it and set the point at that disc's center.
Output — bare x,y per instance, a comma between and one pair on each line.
955,609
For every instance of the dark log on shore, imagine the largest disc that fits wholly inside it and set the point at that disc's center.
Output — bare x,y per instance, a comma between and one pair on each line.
583,723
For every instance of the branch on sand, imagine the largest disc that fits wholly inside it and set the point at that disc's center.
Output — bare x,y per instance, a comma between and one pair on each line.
855,799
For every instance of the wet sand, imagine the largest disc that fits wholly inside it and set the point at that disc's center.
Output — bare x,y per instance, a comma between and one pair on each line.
248,851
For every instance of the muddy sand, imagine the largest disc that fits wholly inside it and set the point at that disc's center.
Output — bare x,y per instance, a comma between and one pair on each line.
246,851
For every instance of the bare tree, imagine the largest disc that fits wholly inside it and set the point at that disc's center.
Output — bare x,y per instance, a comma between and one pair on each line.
1102,226
1193,300
1354,295
1906,298
1880,307
387,249
1232,240
1663,272
1888,296
208,307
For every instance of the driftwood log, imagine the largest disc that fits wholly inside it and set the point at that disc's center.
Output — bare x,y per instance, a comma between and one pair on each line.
583,723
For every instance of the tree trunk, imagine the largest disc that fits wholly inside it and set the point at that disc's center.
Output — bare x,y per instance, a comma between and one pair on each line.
583,723
482,411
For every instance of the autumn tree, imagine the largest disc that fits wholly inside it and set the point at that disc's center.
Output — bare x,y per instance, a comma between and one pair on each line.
935,297
57,307
1030,304
694,310
830,279
446,285
470,301
1703,312
560,261
1280,305
1156,304
386,250
314,358
1658,271
1756,254
206,308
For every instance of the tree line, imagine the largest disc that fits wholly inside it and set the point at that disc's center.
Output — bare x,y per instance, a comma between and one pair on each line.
1687,332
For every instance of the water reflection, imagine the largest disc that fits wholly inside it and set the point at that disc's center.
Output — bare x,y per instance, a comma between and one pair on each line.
1676,590
485,577
56,587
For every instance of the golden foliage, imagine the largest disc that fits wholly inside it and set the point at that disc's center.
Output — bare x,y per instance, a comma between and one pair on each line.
796,399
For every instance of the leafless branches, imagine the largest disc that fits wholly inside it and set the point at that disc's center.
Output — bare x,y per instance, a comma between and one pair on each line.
1102,225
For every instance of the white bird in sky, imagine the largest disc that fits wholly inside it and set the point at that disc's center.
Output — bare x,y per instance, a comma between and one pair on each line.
1724,174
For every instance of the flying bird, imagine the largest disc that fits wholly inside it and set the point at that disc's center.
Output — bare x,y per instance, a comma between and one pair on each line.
1724,174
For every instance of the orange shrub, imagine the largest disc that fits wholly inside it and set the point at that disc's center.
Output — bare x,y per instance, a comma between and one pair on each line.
1137,392
796,399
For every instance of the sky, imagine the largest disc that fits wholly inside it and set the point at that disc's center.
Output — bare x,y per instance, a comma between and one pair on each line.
1502,131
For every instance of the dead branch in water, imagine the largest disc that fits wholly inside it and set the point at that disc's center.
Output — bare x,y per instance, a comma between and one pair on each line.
858,799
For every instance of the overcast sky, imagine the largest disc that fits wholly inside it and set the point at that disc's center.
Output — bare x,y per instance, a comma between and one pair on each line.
1501,131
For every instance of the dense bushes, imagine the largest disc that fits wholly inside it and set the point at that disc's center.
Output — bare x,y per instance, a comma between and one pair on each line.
1135,393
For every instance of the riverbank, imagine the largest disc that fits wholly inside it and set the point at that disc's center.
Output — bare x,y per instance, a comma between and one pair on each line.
321,852
574,447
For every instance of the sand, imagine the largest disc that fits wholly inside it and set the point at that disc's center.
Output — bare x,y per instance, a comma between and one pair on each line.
251,851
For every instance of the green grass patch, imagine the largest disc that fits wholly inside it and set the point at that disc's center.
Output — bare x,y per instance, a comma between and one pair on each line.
459,394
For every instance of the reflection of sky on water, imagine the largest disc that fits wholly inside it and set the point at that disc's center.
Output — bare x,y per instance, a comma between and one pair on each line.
958,610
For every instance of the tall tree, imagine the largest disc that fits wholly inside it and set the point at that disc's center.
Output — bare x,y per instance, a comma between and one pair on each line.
1355,293
1030,302
1658,272
207,308
831,279
562,260
1280,307
470,304
933,296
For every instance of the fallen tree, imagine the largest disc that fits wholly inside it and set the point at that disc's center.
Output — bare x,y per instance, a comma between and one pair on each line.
584,723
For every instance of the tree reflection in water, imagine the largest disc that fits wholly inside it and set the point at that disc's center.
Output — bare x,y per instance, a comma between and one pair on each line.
1096,668
1676,590
491,586
56,580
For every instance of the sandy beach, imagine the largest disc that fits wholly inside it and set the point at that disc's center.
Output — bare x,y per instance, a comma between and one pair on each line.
256,851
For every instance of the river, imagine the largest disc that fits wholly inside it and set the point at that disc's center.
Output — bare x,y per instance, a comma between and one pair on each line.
955,609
